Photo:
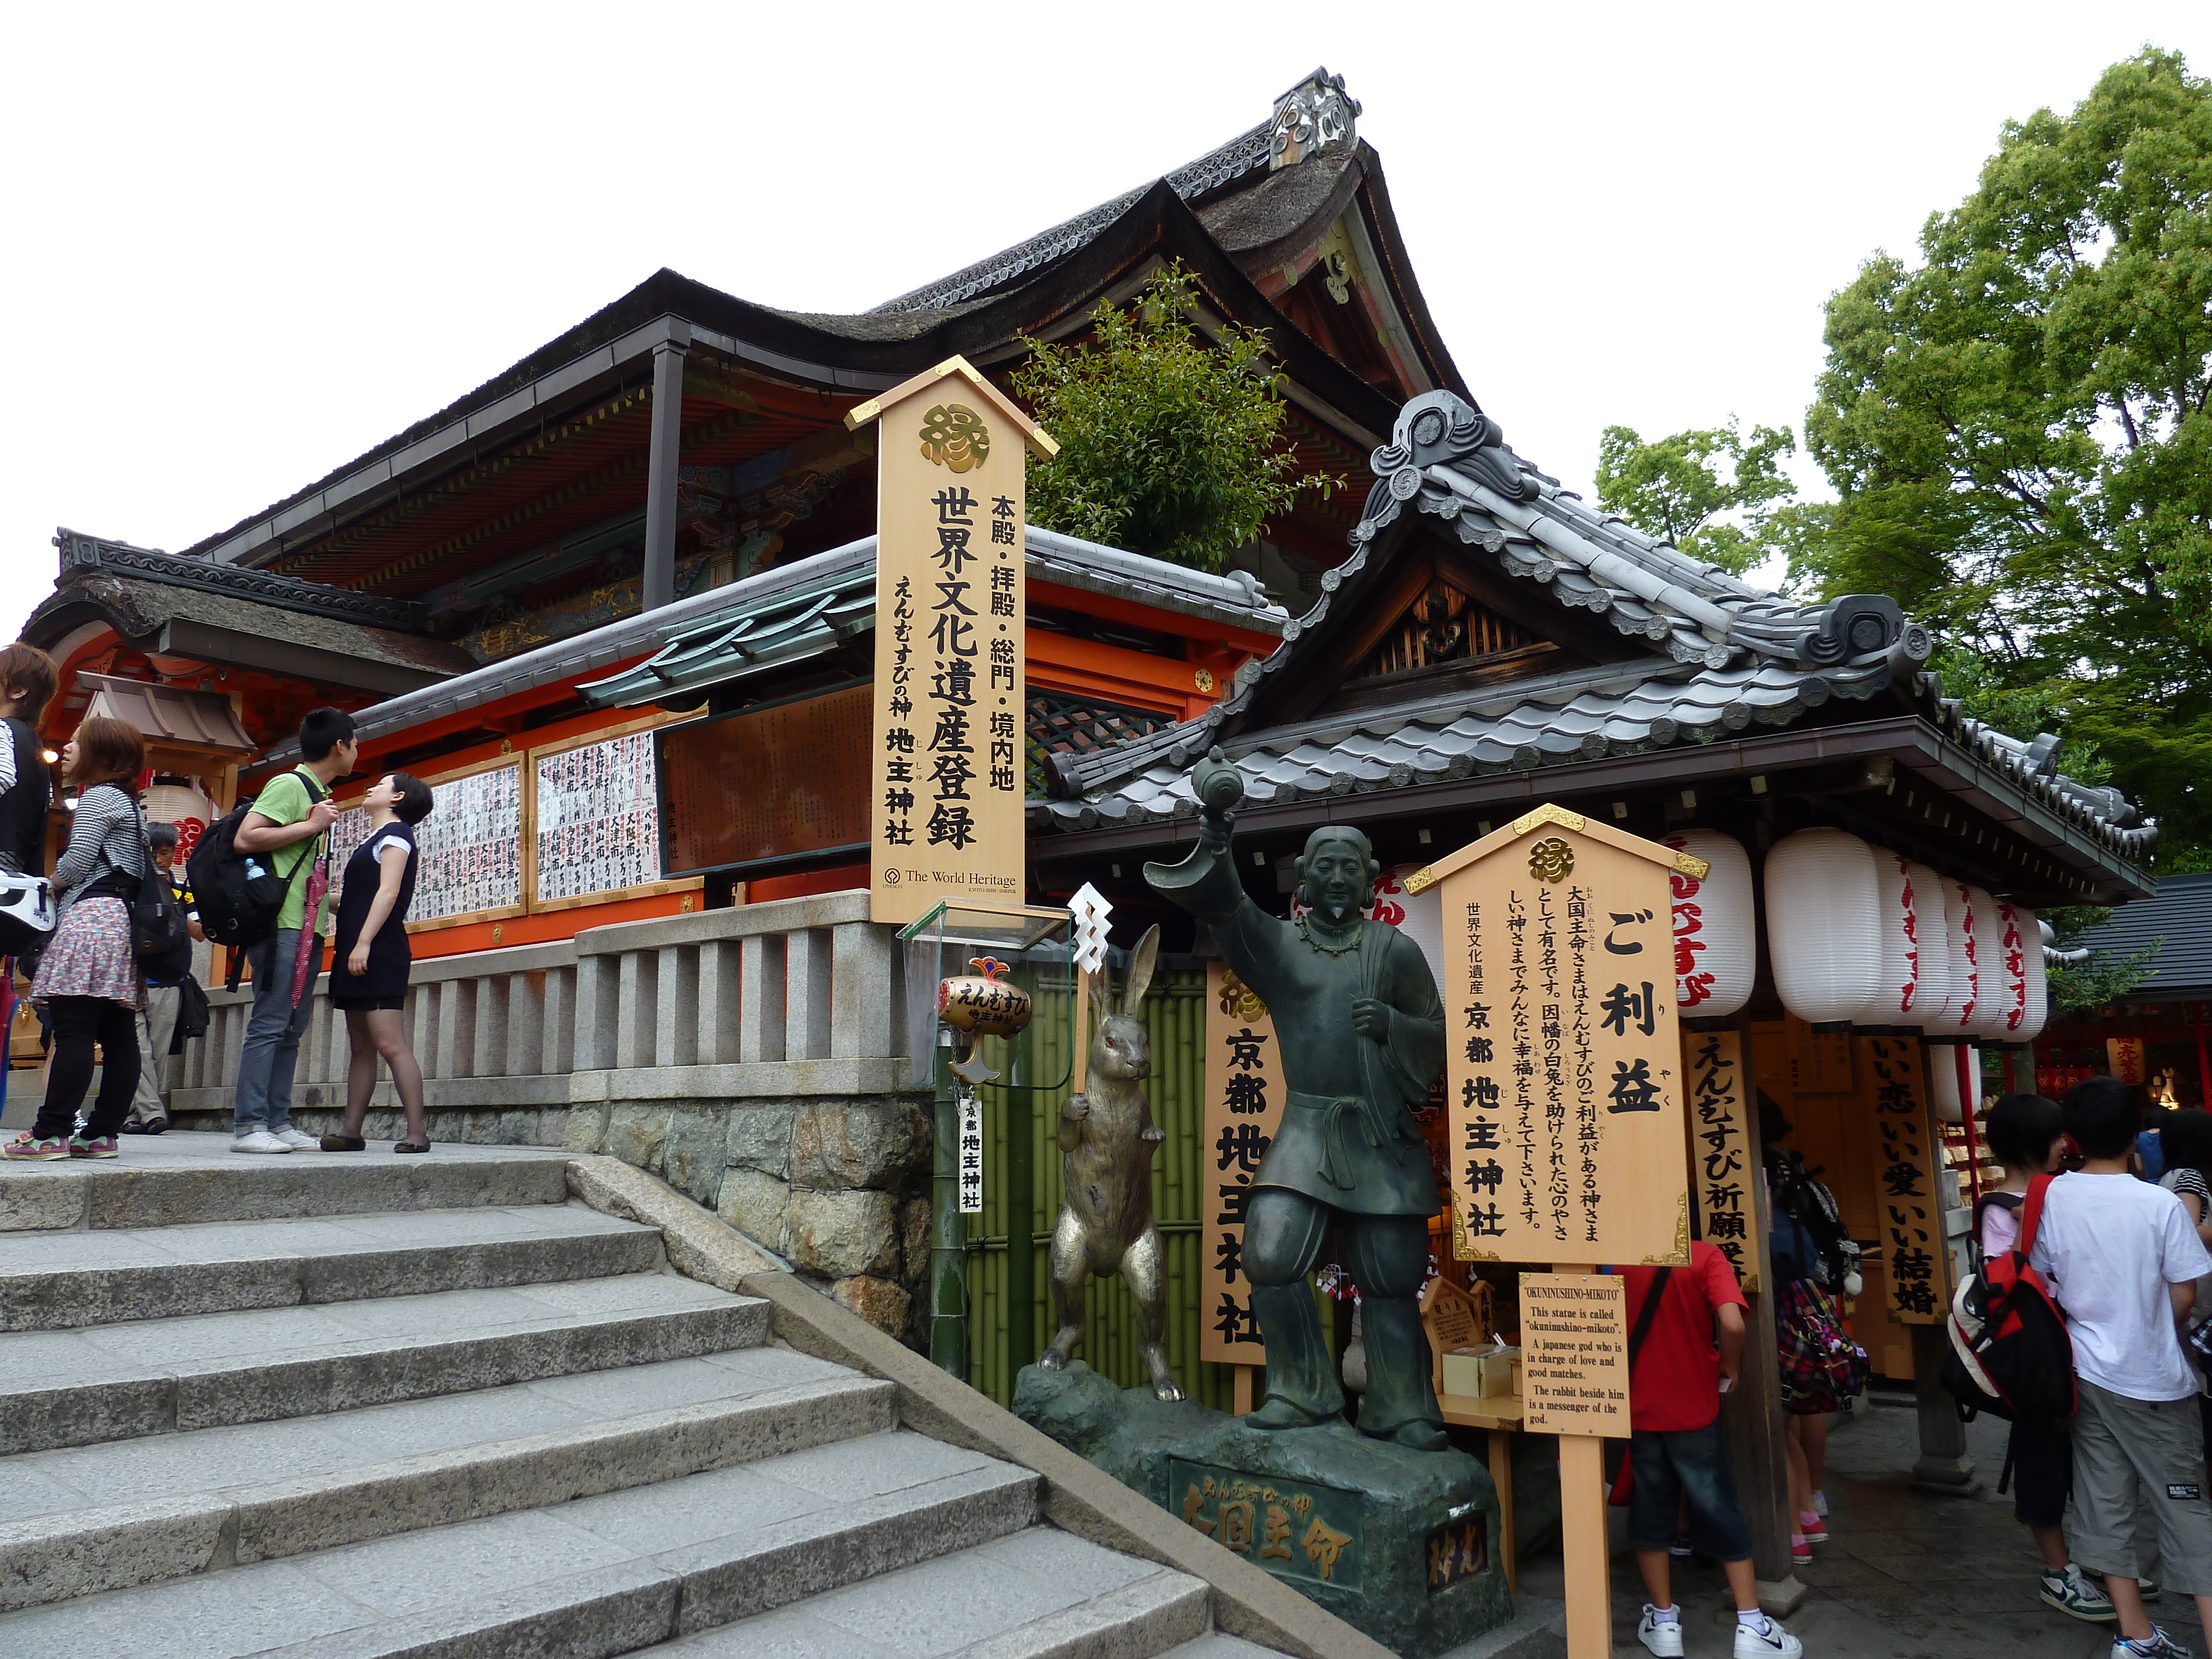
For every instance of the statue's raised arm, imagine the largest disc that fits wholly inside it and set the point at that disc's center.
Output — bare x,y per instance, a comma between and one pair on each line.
1359,1028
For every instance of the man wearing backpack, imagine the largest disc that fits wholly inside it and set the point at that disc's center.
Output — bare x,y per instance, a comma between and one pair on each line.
286,828
1678,1450
2122,1260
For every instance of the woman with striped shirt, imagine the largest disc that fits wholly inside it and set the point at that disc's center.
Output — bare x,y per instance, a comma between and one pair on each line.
88,979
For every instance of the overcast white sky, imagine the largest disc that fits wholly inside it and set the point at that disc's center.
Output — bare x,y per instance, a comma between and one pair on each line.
244,245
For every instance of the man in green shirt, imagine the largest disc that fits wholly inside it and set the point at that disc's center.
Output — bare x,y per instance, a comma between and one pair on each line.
286,830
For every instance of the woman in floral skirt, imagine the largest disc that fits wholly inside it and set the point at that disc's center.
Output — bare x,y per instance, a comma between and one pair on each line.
88,979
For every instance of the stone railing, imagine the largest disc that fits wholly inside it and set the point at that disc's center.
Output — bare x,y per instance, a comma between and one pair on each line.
753,1057
800,996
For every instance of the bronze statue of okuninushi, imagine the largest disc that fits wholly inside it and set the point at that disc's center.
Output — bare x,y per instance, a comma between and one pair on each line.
1361,1032
1108,1141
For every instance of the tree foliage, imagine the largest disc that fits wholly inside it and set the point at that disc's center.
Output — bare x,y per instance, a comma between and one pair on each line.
1170,444
1673,488
2017,427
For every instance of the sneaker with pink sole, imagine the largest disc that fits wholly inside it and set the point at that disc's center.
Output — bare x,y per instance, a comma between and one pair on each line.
26,1147
83,1146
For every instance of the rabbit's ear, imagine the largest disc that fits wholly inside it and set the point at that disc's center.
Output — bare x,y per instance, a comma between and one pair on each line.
1101,995
1140,970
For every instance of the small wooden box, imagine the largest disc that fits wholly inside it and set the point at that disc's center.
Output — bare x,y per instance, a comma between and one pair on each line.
1463,1373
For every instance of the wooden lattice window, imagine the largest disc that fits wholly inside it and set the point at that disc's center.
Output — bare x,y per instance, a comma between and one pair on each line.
1079,725
1443,625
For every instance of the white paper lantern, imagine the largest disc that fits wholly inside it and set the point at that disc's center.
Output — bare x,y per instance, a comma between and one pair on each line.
1715,927
184,806
1965,970
2022,945
1990,1006
1932,929
1823,925
1944,1080
2039,980
1897,994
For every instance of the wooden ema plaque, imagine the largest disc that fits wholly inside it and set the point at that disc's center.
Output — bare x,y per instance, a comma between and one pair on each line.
947,769
1243,1109
1562,1051
1452,1319
766,783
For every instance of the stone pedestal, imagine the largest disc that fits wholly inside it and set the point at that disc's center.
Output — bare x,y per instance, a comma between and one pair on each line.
1402,1544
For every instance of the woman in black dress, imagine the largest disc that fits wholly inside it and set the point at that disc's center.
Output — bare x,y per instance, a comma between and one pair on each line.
368,966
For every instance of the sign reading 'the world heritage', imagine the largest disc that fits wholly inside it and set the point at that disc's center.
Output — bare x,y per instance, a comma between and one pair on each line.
946,760
1561,1051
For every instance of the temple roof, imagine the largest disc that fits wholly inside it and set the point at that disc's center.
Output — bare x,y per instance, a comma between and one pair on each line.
2176,923
166,604
1708,656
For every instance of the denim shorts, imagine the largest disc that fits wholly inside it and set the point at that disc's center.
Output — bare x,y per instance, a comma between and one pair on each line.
1672,1465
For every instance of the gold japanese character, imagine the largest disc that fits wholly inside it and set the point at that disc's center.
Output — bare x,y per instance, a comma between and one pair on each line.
1192,1504
1237,1527
1278,1544
954,435
1323,1545
1551,860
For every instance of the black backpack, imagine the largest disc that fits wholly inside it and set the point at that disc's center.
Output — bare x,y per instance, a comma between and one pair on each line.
2010,1354
237,906
159,931
1798,1193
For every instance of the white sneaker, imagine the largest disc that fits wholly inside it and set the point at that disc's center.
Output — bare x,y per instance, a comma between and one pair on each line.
1663,1637
298,1142
260,1141
2159,1646
1772,1643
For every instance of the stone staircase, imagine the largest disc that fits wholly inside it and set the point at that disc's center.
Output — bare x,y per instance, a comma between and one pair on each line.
341,1406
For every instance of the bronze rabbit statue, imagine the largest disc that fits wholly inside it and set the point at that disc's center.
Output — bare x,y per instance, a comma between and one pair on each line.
1106,1142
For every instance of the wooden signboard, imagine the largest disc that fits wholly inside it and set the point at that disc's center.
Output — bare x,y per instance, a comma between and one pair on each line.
1574,1354
1723,1179
1561,1049
766,783
1907,1201
1243,1109
1451,1319
947,764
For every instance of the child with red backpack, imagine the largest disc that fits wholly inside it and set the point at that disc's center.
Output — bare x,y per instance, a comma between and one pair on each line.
2023,1133
2122,1259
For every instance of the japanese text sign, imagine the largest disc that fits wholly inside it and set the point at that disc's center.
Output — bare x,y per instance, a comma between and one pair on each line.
1294,1529
1243,1109
971,1151
1574,1353
1562,1055
1723,1175
1906,1199
947,754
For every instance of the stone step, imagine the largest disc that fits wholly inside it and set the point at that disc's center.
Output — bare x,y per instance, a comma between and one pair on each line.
67,1281
89,1519
73,1388
599,1577
1037,1594
172,1180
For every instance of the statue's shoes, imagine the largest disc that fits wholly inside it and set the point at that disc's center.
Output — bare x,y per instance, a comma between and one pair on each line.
1416,1437
1279,1414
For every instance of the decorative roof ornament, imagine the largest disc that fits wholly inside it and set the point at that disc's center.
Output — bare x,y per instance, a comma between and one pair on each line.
1312,116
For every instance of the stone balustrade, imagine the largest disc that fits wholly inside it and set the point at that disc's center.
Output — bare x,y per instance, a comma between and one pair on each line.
754,1057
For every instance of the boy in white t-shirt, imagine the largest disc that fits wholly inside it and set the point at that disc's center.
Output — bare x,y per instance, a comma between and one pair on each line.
2122,1260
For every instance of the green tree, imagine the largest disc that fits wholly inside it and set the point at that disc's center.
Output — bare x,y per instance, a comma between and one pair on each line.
1673,488
1170,444
2017,429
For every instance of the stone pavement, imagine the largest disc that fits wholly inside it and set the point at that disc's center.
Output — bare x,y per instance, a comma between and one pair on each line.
1905,1574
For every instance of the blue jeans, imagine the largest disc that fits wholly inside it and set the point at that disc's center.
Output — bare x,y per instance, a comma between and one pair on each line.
1672,1465
273,1030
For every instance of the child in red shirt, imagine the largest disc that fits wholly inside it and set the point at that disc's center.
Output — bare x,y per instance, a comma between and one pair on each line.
1679,1451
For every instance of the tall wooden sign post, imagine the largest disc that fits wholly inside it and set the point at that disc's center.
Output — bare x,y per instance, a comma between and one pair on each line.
947,759
1564,1063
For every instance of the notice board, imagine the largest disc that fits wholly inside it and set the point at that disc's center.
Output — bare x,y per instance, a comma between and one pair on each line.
776,782
1562,1050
